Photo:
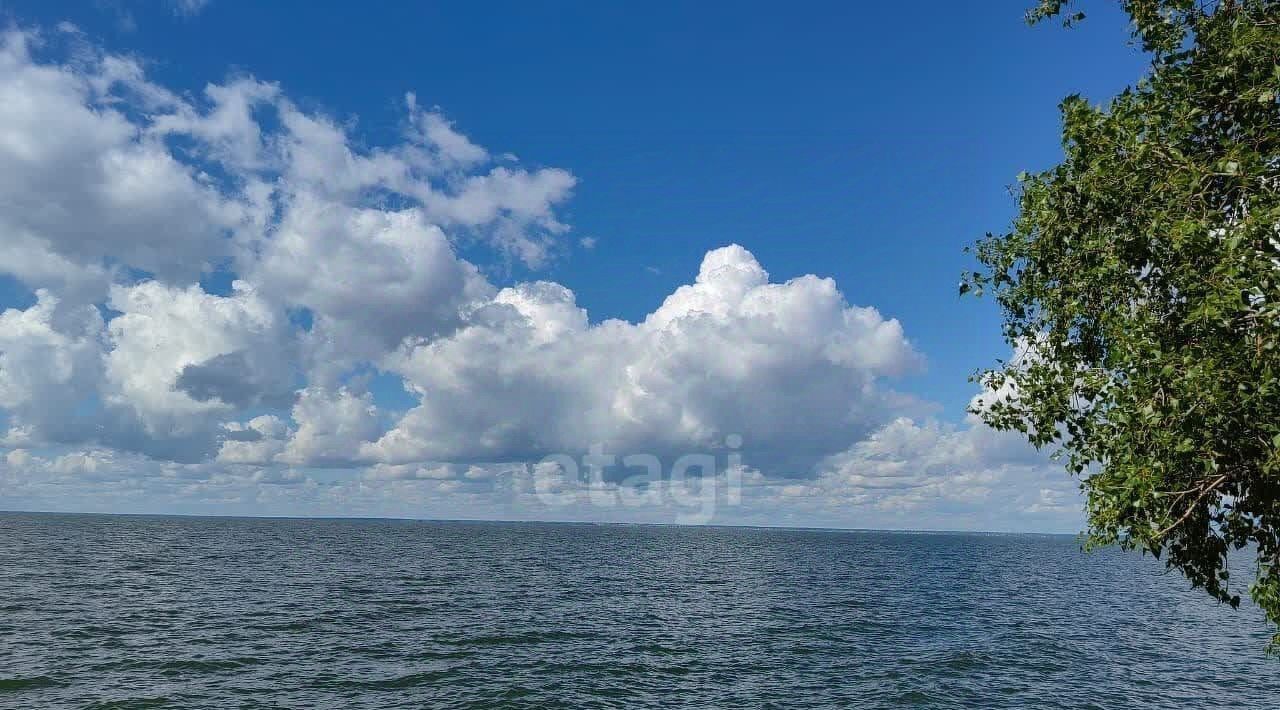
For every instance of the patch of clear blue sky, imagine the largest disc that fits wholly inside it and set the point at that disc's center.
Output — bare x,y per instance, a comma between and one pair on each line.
869,142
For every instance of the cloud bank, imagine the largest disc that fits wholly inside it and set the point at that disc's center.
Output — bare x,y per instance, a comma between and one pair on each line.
221,288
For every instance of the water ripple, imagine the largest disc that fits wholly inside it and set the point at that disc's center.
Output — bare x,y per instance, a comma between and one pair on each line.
135,612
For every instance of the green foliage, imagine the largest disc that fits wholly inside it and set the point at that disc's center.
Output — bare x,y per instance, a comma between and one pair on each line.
1141,282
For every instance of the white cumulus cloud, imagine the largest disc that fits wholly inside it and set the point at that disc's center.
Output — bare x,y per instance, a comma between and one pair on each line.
214,279
790,367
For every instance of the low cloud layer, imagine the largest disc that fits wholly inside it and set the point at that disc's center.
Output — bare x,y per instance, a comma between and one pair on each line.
225,289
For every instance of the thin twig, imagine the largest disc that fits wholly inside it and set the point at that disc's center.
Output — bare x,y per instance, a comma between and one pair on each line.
1191,508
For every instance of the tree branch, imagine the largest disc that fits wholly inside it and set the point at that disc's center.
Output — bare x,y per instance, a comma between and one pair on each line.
1191,508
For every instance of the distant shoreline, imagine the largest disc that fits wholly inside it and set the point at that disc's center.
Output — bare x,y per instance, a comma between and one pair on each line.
515,521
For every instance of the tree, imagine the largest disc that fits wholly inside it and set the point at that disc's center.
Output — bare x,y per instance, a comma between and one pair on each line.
1140,285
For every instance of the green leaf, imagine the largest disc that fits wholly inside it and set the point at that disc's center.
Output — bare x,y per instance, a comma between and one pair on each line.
1142,268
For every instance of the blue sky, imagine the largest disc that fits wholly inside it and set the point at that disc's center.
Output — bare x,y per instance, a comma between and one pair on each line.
855,141
868,143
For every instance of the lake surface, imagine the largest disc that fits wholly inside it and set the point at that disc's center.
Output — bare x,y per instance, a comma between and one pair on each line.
120,611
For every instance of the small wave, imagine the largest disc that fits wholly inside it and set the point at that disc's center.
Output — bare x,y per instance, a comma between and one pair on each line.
913,698
206,666
532,637
658,649
443,655
33,682
409,680
130,704
90,632
966,661
300,625
181,665
618,669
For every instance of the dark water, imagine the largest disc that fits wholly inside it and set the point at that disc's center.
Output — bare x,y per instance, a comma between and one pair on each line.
100,611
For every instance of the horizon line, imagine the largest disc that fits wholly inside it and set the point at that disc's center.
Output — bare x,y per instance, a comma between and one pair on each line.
619,523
